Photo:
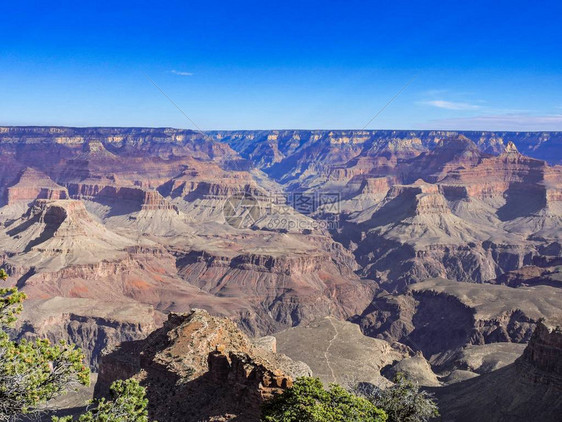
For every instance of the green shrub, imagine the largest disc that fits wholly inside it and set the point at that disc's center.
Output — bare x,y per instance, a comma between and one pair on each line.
33,372
402,402
127,404
308,401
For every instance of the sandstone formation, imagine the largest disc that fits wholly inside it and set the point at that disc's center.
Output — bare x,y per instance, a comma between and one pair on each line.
439,316
138,215
198,367
469,206
108,230
33,184
528,389
92,325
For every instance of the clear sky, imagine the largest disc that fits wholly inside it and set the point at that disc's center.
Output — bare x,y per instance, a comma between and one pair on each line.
271,64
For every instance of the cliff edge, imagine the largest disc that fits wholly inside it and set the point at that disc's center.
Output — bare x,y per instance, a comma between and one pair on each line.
198,367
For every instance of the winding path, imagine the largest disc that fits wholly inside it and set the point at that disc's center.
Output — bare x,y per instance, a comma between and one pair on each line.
328,349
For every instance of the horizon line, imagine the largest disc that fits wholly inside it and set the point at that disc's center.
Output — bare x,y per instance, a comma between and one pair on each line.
281,130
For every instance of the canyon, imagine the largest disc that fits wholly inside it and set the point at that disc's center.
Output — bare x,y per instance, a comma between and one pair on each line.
436,254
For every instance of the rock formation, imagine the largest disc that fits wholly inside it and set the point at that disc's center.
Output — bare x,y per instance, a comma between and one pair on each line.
108,230
33,184
92,325
439,316
416,369
288,145
137,214
198,367
525,390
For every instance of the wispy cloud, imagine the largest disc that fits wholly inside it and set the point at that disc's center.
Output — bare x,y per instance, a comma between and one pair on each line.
451,105
501,122
180,73
436,92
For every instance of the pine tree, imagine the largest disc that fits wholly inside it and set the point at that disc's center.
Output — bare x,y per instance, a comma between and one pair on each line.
33,372
127,404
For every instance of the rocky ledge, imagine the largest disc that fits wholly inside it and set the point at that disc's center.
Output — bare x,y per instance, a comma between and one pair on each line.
528,389
198,367
541,361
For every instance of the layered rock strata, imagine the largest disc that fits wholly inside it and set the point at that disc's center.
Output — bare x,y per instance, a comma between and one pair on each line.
199,367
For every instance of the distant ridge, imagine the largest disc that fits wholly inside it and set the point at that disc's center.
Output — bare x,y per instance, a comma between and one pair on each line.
543,145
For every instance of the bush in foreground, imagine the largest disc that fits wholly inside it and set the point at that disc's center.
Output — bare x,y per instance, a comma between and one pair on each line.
403,401
32,372
308,401
127,404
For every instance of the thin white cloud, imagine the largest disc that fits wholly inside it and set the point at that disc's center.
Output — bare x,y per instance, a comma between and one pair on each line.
180,73
451,105
506,122
436,92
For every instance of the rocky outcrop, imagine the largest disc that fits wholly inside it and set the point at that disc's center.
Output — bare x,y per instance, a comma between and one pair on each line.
375,185
544,273
477,220
478,359
92,325
510,176
416,369
439,316
54,234
208,180
284,290
200,359
528,389
449,154
145,199
33,184
542,359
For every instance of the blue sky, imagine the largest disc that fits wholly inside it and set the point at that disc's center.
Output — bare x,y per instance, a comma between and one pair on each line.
493,65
